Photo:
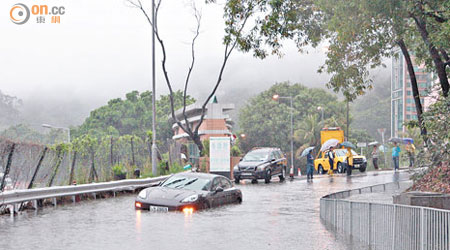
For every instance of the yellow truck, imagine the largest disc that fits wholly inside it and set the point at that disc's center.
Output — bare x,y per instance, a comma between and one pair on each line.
322,164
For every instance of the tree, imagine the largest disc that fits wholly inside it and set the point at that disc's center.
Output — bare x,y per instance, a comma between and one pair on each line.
360,34
132,116
237,13
369,112
263,120
9,109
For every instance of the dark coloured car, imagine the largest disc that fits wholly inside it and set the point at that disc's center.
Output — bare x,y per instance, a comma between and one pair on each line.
189,192
261,163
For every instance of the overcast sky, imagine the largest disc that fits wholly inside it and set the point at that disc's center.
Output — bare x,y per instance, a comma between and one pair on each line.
101,50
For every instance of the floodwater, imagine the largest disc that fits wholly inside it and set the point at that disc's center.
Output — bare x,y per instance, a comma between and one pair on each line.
271,216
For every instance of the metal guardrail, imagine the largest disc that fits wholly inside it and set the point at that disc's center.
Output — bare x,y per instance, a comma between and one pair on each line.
25,195
386,226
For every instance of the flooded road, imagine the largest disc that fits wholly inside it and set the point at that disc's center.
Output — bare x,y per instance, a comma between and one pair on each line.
271,216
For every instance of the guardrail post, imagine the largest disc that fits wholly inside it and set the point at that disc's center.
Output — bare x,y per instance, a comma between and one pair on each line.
54,202
35,204
359,191
422,227
95,196
370,222
74,199
351,220
335,214
384,187
394,227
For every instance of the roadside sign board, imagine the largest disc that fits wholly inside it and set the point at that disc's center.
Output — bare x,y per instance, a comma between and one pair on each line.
219,154
361,144
381,130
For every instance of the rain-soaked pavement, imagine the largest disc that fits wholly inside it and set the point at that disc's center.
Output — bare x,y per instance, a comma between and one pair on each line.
271,216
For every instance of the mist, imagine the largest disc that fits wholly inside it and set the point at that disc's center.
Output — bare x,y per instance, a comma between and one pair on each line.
101,50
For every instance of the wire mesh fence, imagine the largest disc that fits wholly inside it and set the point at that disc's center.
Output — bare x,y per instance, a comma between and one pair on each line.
25,165
386,226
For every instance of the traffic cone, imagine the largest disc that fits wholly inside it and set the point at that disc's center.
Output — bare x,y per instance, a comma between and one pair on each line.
291,172
299,172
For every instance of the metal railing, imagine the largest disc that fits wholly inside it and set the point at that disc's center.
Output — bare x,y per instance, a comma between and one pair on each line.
386,226
24,195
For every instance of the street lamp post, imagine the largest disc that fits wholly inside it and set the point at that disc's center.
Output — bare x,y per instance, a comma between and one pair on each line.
154,148
62,128
291,99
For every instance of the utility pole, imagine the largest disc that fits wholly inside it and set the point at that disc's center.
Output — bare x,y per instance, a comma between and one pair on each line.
348,120
154,148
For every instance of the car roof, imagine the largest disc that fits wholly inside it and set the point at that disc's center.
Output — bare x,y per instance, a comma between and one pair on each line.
199,175
264,149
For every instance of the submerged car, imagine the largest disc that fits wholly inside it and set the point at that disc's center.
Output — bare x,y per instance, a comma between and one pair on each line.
189,192
261,163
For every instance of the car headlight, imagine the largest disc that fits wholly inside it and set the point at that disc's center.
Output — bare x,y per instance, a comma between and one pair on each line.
191,198
143,194
261,167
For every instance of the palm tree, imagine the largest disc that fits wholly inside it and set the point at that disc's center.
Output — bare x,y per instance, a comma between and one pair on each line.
309,132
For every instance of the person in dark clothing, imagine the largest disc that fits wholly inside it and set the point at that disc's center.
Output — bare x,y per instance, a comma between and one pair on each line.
331,158
309,165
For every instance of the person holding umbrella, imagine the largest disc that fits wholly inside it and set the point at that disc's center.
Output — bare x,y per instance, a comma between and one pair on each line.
375,157
411,152
330,154
309,162
309,165
395,155
349,156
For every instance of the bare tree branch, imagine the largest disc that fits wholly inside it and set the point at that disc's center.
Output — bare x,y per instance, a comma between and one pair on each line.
227,54
198,18
228,50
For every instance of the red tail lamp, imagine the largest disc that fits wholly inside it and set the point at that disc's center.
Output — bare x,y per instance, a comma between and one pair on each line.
138,204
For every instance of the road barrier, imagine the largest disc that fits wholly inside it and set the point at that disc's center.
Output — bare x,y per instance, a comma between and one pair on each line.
19,196
386,226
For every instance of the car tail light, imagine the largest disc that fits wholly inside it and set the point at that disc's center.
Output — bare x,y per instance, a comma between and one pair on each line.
138,205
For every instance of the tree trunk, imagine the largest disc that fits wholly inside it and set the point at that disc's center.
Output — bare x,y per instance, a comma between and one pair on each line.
439,64
8,166
111,153
199,144
93,173
133,163
415,89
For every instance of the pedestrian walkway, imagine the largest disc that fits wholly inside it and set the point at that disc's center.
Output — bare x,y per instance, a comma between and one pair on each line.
380,196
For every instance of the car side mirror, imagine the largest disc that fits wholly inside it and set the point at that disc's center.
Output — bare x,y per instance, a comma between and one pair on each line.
240,159
218,190
273,159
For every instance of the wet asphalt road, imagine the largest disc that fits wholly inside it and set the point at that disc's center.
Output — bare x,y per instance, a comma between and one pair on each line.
271,216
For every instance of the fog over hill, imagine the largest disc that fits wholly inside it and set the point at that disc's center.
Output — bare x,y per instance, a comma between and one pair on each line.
62,72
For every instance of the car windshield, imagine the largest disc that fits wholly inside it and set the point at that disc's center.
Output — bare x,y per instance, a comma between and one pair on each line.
343,152
257,155
187,182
